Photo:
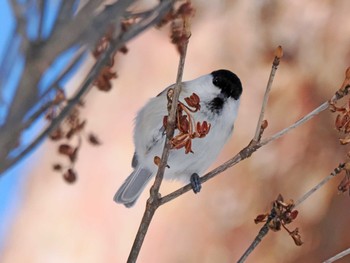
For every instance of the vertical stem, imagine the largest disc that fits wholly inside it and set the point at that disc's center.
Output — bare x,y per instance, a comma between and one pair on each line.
155,201
141,232
276,62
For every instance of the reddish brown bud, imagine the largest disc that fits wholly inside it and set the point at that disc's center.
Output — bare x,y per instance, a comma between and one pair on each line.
260,218
65,149
57,167
347,73
56,134
70,176
156,160
279,52
264,124
296,237
93,139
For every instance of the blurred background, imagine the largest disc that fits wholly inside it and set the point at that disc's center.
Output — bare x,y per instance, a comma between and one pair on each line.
57,222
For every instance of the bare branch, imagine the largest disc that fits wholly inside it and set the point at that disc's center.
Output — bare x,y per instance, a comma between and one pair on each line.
265,229
154,201
9,140
262,233
335,172
338,256
41,6
252,147
276,62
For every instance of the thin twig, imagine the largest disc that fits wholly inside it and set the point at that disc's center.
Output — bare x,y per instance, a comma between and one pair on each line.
252,147
41,5
74,62
276,62
259,237
335,172
338,256
154,201
301,121
55,85
308,116
264,230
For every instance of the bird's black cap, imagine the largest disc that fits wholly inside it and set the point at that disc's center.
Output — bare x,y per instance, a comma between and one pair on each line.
228,82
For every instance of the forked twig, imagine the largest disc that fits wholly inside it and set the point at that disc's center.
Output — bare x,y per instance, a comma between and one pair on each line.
265,228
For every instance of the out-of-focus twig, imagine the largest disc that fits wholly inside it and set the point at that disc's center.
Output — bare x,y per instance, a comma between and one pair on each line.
26,95
338,256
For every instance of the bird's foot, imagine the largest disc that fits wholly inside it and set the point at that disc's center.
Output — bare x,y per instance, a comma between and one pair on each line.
196,183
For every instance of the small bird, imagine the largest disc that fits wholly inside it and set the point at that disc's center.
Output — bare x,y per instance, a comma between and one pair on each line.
219,93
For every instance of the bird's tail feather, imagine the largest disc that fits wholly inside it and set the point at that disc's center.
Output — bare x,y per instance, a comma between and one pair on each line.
133,186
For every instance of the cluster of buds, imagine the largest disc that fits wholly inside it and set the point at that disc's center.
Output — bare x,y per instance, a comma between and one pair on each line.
344,185
72,127
342,124
282,214
342,121
107,73
186,125
180,23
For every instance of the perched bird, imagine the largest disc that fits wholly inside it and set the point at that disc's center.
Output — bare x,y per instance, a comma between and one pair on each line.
219,93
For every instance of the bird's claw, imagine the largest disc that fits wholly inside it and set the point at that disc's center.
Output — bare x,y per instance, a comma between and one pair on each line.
196,183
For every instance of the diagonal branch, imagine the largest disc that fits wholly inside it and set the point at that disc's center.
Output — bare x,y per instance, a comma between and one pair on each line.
338,256
152,19
252,147
334,173
265,228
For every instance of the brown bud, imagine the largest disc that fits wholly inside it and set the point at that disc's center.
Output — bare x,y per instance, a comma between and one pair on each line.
294,214
344,141
279,52
93,139
296,237
60,96
170,94
264,124
70,176
57,167
347,73
65,149
260,218
56,134
347,166
156,160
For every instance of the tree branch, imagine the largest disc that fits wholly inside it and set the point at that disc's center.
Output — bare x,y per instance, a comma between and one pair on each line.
262,233
10,139
154,201
265,229
276,62
252,147
338,256
334,173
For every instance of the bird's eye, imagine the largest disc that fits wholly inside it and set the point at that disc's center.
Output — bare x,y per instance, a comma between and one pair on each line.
216,81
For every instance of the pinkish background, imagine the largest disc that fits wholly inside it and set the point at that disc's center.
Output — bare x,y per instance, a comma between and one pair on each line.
58,222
